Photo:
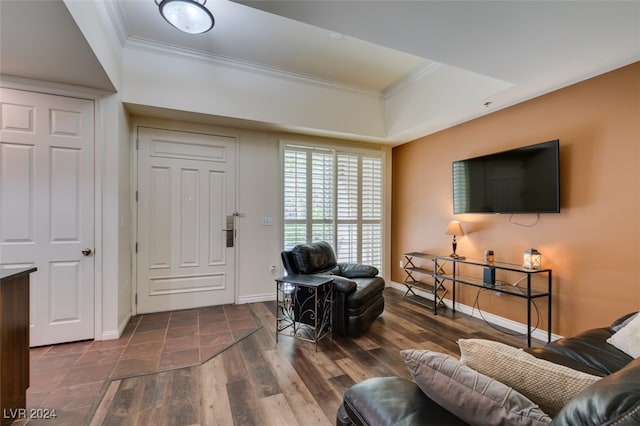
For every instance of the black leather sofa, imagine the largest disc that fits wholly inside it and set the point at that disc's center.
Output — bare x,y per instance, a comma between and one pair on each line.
613,400
358,298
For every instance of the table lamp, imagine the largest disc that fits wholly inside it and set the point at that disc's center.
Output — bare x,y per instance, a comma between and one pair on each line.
454,229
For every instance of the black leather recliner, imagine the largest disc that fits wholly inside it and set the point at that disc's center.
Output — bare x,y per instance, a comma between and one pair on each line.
358,298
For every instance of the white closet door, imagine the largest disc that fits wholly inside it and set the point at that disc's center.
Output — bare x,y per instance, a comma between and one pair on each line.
47,208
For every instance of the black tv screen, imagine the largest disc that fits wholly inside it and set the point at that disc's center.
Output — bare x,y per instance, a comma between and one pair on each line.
521,180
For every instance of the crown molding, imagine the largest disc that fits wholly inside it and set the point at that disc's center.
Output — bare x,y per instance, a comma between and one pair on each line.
119,22
51,88
172,50
410,78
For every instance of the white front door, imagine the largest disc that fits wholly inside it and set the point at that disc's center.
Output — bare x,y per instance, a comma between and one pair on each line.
47,208
186,201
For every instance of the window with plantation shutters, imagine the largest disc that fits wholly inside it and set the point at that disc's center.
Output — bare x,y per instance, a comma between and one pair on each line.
460,187
334,196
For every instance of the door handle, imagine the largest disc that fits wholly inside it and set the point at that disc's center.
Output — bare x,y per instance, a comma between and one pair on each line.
86,252
230,230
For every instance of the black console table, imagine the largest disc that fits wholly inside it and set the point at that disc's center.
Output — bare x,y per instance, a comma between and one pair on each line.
420,276
304,305
477,280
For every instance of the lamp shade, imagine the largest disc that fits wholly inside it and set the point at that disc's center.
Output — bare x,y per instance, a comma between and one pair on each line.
454,228
532,259
189,16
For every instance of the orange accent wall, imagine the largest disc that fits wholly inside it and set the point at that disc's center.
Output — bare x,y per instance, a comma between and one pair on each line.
592,245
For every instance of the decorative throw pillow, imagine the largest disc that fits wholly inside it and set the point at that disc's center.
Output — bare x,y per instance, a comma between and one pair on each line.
471,396
357,270
549,385
627,339
622,321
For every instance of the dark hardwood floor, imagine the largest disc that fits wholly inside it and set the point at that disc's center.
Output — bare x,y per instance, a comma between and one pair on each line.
256,382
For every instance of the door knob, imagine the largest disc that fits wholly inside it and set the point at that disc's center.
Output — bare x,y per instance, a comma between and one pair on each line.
86,252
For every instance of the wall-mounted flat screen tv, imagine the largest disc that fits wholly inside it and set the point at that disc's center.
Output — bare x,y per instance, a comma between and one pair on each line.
521,180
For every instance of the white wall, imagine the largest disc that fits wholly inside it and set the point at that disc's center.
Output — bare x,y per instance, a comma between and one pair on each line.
181,83
113,250
424,103
113,174
191,84
165,80
124,220
93,20
260,192
258,195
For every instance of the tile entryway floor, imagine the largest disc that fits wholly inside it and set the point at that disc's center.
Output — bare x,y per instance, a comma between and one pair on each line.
71,378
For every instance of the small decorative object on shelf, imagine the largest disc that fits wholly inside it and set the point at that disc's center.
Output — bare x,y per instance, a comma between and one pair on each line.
532,259
488,256
454,229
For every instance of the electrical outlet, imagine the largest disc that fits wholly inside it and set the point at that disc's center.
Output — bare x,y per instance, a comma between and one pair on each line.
273,269
401,264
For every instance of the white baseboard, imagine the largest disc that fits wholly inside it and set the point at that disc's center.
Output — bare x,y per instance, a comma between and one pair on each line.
113,334
110,335
489,317
267,297
124,323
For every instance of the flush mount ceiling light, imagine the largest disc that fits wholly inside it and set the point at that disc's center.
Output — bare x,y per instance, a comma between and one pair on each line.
189,16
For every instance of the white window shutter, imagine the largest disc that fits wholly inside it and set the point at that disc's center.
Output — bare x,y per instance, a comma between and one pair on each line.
334,197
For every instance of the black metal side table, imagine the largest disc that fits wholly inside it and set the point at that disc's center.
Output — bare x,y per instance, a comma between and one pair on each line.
304,307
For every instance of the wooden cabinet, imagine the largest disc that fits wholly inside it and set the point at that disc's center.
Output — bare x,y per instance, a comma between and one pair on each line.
14,341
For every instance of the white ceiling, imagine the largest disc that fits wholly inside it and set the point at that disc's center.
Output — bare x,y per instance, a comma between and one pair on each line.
515,41
266,41
533,46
